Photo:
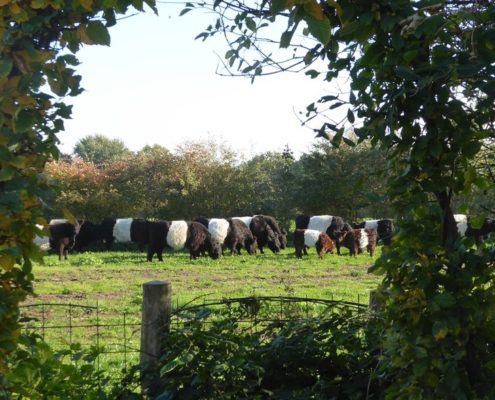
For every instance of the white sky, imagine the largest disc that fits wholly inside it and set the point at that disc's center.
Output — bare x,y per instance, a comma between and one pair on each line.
155,84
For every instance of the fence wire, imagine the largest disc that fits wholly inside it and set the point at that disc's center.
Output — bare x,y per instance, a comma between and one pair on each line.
118,336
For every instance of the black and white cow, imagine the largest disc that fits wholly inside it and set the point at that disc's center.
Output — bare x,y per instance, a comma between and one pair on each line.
384,227
323,223
181,234
125,230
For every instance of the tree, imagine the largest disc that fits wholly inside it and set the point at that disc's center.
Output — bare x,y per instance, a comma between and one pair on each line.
422,88
345,181
100,150
39,40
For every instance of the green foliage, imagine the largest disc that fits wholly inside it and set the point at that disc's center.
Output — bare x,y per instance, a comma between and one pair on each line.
207,179
35,371
36,71
419,76
216,355
100,150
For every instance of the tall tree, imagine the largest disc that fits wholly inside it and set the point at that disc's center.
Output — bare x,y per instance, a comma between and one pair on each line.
39,39
100,150
421,76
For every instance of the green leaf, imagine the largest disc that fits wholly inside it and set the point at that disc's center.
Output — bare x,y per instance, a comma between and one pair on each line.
98,33
6,174
24,121
319,28
277,6
439,330
184,11
251,25
5,67
430,25
405,73
285,39
444,300
348,142
350,116
470,149
312,73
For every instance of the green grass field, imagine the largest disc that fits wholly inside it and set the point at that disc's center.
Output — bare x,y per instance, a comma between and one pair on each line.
113,281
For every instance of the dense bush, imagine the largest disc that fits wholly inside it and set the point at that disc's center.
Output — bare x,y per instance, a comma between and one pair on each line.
209,179
215,355
35,371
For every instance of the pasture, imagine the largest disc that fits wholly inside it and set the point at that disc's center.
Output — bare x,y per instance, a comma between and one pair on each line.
113,280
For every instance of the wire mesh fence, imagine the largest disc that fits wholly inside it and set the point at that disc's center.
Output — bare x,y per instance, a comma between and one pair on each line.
118,336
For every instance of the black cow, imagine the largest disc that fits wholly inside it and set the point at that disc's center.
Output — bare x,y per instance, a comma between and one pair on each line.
281,233
240,236
264,234
62,236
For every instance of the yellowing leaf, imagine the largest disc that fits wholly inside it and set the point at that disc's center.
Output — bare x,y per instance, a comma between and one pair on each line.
7,262
87,4
4,2
336,5
14,8
38,4
313,9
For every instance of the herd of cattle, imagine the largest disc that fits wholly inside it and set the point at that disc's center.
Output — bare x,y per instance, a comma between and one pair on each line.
212,236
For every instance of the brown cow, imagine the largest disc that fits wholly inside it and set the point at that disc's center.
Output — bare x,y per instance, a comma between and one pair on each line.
304,238
365,239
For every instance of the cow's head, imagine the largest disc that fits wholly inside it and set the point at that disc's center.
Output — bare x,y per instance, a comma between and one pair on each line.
272,240
214,249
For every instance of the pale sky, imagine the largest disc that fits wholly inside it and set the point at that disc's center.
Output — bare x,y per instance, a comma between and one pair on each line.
155,84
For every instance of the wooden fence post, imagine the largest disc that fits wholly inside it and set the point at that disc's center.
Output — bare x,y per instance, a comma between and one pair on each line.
155,324
376,303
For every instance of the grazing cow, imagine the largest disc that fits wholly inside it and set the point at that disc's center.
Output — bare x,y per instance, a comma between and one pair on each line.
365,239
239,236
264,234
158,231
200,240
180,234
89,233
384,227
323,223
304,238
218,227
125,230
345,238
281,233
62,236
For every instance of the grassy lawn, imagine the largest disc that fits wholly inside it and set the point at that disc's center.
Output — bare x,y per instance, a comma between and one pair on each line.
114,280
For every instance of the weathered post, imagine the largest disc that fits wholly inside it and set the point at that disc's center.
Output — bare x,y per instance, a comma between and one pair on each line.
157,309
376,301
